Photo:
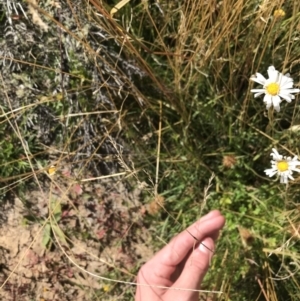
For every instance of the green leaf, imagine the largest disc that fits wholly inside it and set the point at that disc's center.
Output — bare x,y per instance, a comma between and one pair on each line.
59,233
46,235
55,207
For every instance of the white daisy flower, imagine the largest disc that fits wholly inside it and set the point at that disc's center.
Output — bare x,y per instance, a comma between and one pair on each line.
276,86
283,166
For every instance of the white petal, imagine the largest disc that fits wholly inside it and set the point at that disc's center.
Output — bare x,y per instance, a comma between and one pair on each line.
273,75
283,179
258,94
258,90
286,83
276,155
259,78
294,164
268,100
276,101
291,96
285,96
269,81
270,172
271,69
290,90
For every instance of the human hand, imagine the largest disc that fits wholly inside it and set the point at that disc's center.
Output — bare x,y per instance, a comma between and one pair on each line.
181,263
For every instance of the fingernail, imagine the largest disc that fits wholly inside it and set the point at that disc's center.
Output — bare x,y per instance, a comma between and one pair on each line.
203,248
206,247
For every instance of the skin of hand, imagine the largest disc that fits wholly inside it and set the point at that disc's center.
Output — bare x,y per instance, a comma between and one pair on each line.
181,263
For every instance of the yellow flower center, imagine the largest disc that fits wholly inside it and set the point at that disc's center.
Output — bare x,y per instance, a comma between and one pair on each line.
282,166
273,89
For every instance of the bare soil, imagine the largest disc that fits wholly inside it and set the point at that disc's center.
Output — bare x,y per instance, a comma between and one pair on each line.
50,235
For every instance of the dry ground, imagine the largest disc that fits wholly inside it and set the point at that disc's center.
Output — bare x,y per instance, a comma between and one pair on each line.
104,234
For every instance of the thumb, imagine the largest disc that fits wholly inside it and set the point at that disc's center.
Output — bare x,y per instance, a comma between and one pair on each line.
193,272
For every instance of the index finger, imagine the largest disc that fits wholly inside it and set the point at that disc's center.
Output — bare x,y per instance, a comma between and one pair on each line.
179,247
